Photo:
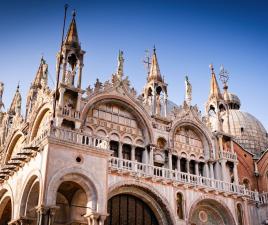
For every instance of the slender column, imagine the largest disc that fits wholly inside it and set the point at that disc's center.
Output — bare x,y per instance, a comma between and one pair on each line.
78,102
236,180
206,170
61,90
80,67
223,169
232,146
187,166
151,160
145,156
165,104
132,152
170,160
120,151
179,164
153,101
42,215
211,170
217,171
196,168
63,70
220,143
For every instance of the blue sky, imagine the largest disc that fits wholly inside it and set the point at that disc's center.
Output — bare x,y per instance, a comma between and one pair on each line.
189,35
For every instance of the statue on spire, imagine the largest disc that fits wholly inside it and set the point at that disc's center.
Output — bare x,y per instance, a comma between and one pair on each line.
188,91
1,95
120,67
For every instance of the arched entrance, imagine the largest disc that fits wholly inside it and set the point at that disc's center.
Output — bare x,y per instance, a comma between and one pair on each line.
210,212
126,209
72,204
6,211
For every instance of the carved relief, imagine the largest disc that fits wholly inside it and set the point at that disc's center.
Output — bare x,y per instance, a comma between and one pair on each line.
186,140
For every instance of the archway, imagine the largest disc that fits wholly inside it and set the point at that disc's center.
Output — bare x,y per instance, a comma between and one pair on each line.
129,209
72,205
210,212
32,202
5,210
150,201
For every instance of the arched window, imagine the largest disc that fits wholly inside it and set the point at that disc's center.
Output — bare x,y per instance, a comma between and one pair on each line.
239,214
114,145
180,205
126,151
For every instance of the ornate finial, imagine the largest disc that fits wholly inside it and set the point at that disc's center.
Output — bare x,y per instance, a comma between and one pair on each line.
224,77
120,67
147,62
154,49
74,14
18,86
188,91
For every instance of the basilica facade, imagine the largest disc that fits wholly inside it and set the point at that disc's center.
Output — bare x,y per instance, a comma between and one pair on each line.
107,155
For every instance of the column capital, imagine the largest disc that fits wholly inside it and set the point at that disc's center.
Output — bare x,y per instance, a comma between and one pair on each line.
42,209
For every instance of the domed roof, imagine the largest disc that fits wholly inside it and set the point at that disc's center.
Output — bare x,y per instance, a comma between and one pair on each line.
247,130
232,100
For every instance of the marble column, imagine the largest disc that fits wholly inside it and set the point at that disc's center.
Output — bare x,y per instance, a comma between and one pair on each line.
220,143
80,67
179,164
120,150
196,168
170,160
211,170
42,215
206,170
223,169
187,166
236,180
132,153
151,160
94,218
145,156
61,97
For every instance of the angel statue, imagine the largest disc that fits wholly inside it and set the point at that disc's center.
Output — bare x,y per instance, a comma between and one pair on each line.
188,91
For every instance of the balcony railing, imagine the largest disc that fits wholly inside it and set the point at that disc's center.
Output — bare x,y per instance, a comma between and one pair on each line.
263,198
79,138
160,173
227,155
67,112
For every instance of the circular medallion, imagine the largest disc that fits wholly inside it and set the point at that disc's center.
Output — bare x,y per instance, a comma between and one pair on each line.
203,216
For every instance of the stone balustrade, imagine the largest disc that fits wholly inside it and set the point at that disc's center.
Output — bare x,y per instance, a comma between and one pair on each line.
228,155
68,112
79,138
164,174
263,197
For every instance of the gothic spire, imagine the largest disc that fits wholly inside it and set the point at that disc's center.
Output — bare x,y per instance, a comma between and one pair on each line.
214,87
154,73
15,107
41,74
72,35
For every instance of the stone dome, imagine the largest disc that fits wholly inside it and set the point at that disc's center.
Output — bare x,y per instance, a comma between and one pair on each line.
247,130
232,100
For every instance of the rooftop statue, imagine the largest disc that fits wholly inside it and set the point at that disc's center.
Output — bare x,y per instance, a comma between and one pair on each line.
188,91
